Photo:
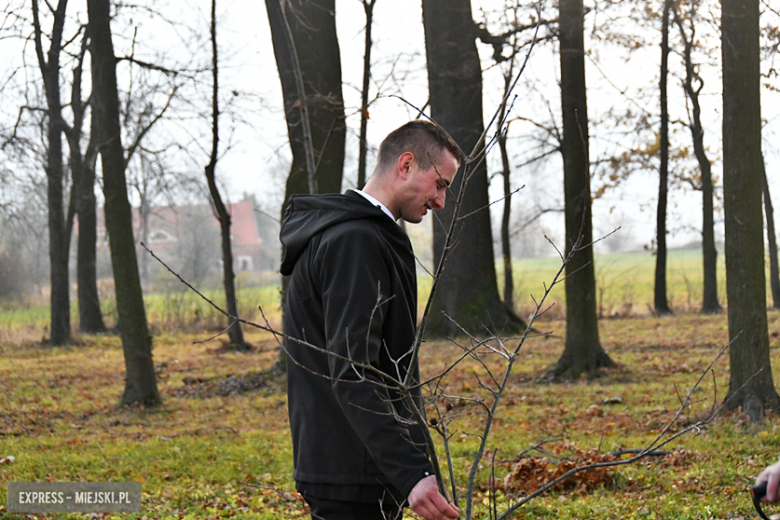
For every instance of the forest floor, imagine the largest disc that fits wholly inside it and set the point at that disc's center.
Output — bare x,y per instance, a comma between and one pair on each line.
219,446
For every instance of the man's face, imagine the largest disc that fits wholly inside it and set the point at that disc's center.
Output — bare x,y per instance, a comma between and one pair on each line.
427,189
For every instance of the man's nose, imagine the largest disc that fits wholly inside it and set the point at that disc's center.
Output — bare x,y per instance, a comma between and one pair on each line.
438,202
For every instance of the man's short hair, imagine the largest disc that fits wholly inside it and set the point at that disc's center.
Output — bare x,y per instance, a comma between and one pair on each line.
424,139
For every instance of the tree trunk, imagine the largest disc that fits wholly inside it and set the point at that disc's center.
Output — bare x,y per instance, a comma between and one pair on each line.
145,214
661,303
750,385
368,7
49,65
506,246
774,276
312,25
90,315
228,276
83,174
140,380
468,292
583,352
710,303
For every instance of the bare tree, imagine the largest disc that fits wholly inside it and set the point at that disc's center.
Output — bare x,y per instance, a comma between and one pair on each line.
140,379
84,203
81,166
769,212
368,7
745,278
24,192
659,294
583,351
508,39
49,64
506,246
307,56
228,276
710,302
770,51
469,293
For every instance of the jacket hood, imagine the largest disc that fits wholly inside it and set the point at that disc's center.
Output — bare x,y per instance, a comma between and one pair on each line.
308,215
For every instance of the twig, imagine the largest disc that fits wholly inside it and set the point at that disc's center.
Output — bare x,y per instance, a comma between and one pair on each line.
215,336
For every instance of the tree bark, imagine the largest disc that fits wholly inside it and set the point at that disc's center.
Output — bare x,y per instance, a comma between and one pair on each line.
661,303
506,246
774,275
144,214
313,27
468,292
750,385
82,166
710,302
228,276
90,315
49,65
140,380
368,7
583,351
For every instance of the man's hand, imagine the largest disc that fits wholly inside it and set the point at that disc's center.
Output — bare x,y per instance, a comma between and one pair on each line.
426,501
770,475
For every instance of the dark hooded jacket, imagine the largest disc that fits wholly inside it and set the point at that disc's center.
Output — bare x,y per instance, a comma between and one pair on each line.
353,291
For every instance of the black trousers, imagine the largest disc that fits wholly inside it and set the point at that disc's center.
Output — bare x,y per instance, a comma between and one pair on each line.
322,509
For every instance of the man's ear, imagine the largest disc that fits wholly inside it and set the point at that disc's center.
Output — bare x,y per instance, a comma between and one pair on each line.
405,161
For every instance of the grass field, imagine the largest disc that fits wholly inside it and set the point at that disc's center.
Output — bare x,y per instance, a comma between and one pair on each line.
624,288
625,282
210,453
218,449
166,312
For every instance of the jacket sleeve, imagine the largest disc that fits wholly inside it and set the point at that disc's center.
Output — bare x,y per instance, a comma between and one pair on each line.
356,284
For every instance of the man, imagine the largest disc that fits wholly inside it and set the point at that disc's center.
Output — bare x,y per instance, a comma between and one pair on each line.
353,292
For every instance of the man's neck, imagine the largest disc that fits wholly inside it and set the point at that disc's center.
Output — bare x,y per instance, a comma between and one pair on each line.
373,199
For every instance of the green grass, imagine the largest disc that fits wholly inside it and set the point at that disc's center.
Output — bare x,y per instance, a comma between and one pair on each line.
166,311
186,310
624,282
624,287
220,457
230,456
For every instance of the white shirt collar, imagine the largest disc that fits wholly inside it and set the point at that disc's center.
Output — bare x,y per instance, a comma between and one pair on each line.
375,202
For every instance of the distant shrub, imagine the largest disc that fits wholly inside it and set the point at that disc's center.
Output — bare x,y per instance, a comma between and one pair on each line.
11,277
